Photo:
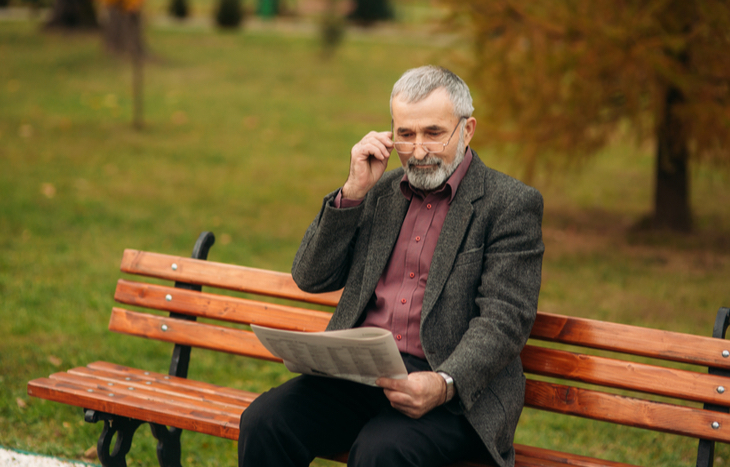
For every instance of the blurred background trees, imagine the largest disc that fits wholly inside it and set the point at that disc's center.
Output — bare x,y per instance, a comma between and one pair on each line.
557,80
123,36
369,11
178,9
73,15
229,14
123,28
267,8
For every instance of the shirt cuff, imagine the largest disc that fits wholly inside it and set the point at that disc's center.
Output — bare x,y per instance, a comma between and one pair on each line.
342,202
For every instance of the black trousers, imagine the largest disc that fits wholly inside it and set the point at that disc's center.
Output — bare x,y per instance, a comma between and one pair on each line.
312,416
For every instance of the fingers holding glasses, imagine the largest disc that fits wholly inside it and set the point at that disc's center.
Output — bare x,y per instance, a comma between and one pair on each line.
368,161
376,144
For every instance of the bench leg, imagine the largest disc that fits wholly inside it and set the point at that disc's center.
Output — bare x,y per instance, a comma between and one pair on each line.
168,440
121,427
168,445
706,448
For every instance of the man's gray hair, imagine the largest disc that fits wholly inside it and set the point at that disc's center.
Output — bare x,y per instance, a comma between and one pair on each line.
417,84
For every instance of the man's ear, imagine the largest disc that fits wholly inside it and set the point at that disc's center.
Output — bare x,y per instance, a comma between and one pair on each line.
470,128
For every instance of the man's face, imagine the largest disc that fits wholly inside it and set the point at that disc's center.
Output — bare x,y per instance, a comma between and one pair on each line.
431,119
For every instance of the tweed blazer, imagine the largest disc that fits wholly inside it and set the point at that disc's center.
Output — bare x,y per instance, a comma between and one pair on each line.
481,294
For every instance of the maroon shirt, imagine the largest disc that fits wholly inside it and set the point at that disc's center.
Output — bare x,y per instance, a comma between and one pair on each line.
399,293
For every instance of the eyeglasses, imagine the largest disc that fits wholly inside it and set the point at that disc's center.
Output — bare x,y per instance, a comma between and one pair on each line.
431,147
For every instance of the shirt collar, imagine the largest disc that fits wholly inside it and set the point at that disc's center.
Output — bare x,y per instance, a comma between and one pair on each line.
452,184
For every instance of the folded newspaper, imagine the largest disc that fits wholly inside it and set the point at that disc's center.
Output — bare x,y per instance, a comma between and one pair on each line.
361,354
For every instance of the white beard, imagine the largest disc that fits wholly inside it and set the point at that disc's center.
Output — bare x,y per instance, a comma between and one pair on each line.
430,179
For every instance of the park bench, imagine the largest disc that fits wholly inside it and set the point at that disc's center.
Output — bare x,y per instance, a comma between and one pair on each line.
637,384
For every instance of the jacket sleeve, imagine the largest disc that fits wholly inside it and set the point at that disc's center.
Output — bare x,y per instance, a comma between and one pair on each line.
506,300
323,260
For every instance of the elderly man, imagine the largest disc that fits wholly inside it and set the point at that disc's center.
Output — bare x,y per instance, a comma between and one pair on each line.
445,253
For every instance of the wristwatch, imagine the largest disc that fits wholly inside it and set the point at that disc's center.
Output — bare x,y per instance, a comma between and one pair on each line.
449,385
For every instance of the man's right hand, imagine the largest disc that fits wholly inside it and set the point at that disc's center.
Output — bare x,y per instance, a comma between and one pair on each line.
368,160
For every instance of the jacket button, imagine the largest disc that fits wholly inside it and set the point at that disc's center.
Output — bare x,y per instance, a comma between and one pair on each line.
398,336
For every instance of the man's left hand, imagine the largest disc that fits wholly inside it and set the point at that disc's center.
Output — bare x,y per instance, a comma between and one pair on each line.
417,395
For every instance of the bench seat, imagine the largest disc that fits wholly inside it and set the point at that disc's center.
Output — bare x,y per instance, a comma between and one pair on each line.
201,407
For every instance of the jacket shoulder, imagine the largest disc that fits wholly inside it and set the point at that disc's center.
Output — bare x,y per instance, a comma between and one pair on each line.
500,186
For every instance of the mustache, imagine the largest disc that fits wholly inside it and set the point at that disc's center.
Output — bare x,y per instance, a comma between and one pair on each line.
413,162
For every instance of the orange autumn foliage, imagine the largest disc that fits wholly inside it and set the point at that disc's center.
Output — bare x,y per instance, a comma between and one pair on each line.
125,5
561,75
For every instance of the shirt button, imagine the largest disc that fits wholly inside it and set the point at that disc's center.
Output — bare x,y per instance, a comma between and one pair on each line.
428,206
412,275
403,301
418,239
398,336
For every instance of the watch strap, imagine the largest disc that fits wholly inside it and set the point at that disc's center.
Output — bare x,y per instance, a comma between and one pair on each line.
450,390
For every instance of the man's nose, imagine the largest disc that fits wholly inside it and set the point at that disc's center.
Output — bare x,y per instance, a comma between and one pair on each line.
420,153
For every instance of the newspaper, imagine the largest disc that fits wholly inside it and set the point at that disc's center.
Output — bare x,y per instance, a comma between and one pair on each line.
361,354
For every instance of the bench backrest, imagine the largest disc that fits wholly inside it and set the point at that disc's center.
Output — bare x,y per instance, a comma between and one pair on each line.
645,363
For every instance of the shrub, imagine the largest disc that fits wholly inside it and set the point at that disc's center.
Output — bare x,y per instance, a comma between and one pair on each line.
229,14
179,9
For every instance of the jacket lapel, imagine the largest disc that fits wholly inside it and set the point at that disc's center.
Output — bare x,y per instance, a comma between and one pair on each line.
452,234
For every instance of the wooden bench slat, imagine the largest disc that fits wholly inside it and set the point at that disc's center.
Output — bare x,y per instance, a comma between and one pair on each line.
620,374
134,407
162,387
220,275
635,340
221,307
628,411
182,401
205,388
531,456
190,333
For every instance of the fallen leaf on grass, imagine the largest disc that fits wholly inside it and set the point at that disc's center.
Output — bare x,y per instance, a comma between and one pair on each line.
55,361
21,403
90,454
48,190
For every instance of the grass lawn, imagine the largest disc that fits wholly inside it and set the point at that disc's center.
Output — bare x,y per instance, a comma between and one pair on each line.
245,133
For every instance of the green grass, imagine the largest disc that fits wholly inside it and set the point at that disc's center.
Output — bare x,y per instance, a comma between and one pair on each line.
244,135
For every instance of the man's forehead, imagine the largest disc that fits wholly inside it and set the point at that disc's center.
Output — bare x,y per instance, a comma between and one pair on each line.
435,109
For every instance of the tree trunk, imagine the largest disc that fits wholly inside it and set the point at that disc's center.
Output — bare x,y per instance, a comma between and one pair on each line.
137,87
73,14
367,12
123,37
123,31
671,198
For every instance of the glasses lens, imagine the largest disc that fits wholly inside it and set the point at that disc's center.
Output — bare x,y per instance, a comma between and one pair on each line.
407,148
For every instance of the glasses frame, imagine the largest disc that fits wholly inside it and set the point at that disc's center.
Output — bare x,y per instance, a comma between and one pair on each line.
395,143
